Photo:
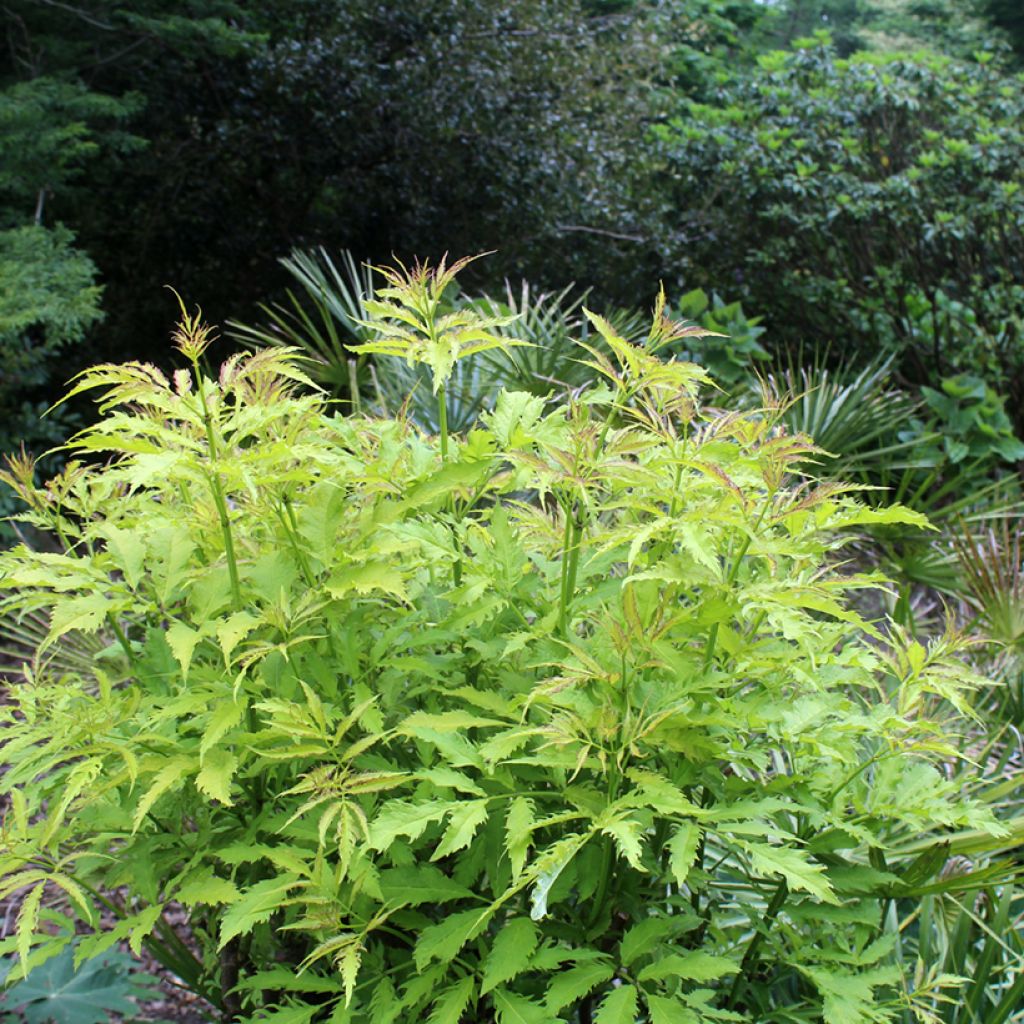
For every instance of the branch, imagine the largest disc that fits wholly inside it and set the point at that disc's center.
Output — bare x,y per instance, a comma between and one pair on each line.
600,231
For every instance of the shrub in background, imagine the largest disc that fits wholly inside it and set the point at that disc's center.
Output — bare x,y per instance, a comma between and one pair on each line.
881,202
566,717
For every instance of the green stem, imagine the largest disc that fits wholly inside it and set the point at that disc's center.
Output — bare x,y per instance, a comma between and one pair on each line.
607,854
749,961
218,493
442,418
563,598
122,639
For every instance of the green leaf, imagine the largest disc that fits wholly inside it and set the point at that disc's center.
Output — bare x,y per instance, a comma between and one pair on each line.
215,777
628,836
547,869
793,865
519,833
365,579
693,966
570,986
516,1009
450,1005
401,818
224,717
665,1010
170,775
618,1007
683,848
646,935
82,613
182,640
56,991
443,941
203,886
463,824
423,883
257,905
510,953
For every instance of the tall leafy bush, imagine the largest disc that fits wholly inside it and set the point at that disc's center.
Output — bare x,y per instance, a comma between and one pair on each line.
568,717
881,202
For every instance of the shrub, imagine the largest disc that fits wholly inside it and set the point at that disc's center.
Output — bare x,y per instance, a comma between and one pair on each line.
567,717
881,207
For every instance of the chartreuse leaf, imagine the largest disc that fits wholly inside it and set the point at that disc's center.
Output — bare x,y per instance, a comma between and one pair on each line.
256,905
666,1010
794,867
169,776
517,1009
682,849
443,941
28,919
850,998
618,1007
463,824
402,818
419,884
182,640
365,579
450,1005
570,986
519,833
510,953
695,965
203,886
215,777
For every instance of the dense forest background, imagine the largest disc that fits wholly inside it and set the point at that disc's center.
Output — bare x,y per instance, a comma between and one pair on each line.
848,170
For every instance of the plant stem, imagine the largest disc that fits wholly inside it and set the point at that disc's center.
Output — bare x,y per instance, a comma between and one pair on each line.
442,418
122,639
749,961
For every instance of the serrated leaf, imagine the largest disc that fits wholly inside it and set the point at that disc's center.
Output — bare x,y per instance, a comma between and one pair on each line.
28,919
215,777
224,717
170,775
402,818
665,1010
463,824
182,640
423,883
627,834
255,906
443,941
519,833
232,630
570,986
516,1009
645,936
683,848
203,886
365,579
82,613
692,966
452,1002
618,1007
794,867
547,869
509,954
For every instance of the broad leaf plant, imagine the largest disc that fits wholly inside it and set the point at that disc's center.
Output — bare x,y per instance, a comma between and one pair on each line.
573,717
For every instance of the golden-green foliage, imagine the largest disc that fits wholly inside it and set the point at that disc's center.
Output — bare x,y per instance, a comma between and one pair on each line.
575,723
